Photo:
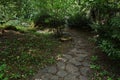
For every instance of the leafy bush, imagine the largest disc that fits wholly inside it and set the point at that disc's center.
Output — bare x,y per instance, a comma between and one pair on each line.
79,21
47,20
109,37
3,70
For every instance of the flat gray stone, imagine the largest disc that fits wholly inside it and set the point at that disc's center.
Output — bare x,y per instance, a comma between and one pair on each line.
70,77
44,70
76,73
83,78
54,77
86,64
82,45
62,73
67,56
71,68
84,70
79,59
81,55
61,65
46,76
75,62
52,69
74,50
82,51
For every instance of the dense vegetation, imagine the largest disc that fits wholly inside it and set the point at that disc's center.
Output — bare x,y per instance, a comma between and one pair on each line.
100,16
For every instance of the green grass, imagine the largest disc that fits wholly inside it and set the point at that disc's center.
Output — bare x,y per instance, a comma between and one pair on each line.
22,54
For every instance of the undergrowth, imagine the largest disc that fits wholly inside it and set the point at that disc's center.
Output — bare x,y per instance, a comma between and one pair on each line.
22,54
103,70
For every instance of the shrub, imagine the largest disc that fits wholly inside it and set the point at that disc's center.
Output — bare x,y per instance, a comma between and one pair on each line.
47,20
79,21
109,37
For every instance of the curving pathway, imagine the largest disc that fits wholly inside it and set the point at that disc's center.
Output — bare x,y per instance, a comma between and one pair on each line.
74,64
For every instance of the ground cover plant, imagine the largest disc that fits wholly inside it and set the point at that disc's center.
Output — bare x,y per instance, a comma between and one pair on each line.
21,54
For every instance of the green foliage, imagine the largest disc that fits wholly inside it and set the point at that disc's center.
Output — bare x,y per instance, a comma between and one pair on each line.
28,9
105,15
47,20
106,23
94,58
79,21
21,55
109,37
3,70
101,70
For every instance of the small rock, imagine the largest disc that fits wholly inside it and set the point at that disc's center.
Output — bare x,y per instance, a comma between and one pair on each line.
76,73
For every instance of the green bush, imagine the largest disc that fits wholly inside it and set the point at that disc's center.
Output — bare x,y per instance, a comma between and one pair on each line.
3,70
109,37
79,21
47,20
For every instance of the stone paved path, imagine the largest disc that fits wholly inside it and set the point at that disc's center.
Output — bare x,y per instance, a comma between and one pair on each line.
74,64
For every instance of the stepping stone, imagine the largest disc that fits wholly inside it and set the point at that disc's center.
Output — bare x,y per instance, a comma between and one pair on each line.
82,51
75,62
62,73
76,73
79,59
61,65
83,78
71,77
46,76
74,50
54,78
52,69
81,55
86,64
84,71
67,56
71,68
